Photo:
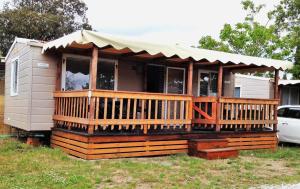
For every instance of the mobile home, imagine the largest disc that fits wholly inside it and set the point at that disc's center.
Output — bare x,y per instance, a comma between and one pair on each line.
104,96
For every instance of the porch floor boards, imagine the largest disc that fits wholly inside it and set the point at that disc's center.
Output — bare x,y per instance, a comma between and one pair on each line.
87,146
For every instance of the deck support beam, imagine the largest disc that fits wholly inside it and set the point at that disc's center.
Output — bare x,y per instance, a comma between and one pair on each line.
93,83
219,95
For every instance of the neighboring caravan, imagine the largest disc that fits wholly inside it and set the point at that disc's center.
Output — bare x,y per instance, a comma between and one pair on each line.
248,86
104,96
289,91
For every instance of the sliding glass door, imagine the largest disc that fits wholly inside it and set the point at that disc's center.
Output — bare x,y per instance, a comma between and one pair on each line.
175,83
207,83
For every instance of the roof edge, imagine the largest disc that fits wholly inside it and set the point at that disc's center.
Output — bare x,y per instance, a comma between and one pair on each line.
31,42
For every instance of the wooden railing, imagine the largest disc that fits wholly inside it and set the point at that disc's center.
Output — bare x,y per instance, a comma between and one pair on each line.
235,113
248,113
101,110
117,110
205,109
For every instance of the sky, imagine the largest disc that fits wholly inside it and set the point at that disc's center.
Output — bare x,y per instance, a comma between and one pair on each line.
168,21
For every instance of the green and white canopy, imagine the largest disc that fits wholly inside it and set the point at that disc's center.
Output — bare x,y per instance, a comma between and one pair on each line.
85,37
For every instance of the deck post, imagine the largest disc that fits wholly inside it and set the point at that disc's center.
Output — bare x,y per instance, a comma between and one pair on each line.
93,83
219,95
276,79
190,79
190,91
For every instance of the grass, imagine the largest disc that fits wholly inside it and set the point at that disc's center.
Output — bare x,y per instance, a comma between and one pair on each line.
22,166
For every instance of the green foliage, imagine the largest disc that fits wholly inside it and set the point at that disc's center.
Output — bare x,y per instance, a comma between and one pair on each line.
209,43
41,20
280,40
250,37
287,23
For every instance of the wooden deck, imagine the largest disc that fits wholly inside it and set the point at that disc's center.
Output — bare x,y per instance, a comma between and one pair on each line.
88,146
108,124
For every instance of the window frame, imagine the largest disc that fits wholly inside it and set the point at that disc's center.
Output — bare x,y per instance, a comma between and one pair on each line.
167,75
198,80
64,68
12,78
238,86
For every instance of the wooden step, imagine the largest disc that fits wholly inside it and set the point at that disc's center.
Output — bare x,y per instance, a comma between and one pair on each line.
219,153
202,144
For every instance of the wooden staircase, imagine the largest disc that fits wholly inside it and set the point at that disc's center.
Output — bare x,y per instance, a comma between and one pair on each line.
211,149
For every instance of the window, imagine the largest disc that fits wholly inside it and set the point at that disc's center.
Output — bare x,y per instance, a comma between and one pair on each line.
290,95
106,75
293,113
237,92
294,95
204,83
207,83
282,112
289,113
76,73
14,77
175,80
213,82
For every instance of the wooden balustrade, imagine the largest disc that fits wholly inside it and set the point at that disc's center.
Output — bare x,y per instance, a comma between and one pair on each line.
72,109
118,110
247,113
205,109
235,113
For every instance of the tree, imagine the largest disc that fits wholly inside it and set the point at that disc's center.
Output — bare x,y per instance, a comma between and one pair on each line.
210,43
42,20
287,23
251,37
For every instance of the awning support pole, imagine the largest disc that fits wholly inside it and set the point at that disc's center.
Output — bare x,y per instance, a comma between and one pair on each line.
93,83
276,96
219,95
190,91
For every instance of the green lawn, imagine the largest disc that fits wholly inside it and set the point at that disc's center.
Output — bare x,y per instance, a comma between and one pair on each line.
22,166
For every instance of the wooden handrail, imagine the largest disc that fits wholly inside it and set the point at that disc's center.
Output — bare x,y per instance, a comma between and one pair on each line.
140,95
85,92
249,100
